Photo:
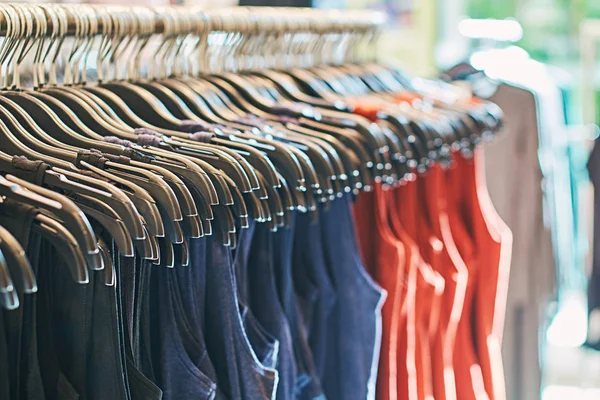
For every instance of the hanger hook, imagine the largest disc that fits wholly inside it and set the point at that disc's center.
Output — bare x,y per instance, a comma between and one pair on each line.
22,15
183,29
127,25
146,24
105,40
80,46
120,39
89,28
76,18
93,20
45,44
160,59
36,29
7,43
53,50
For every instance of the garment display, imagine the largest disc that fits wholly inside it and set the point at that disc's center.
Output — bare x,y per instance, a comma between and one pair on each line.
533,197
449,247
533,270
214,218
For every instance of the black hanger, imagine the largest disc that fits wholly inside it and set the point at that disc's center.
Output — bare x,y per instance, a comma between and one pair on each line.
305,198
182,253
344,161
110,273
9,299
311,84
168,206
61,207
407,158
101,213
20,269
201,187
353,141
373,138
288,88
200,173
243,89
167,253
220,158
125,113
31,111
206,102
254,206
251,146
276,206
287,201
191,221
143,202
392,78
340,85
12,145
218,99
113,148
258,156
66,244
193,228
225,223
186,104
142,102
397,150
80,114
108,194
57,205
323,166
131,204
326,174
405,128
325,112
372,80
167,201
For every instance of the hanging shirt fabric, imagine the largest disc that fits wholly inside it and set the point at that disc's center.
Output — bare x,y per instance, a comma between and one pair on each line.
517,194
441,230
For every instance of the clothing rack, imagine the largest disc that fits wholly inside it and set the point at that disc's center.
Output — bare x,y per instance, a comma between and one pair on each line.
219,212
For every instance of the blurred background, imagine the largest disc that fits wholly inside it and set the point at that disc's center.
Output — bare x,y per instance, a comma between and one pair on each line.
549,47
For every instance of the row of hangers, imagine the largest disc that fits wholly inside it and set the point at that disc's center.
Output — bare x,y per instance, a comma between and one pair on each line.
198,121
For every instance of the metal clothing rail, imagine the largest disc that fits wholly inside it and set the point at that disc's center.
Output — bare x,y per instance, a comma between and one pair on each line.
237,19
187,39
